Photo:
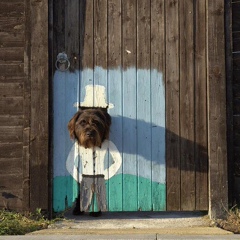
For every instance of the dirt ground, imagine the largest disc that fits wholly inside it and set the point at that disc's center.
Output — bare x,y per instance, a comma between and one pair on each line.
161,231
137,223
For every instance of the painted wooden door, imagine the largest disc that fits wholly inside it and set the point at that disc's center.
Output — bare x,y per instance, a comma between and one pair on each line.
115,49
146,62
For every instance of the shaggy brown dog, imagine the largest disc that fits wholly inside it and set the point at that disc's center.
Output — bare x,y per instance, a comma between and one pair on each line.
90,127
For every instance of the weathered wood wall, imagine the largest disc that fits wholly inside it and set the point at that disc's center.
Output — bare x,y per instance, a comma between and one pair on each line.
23,104
14,111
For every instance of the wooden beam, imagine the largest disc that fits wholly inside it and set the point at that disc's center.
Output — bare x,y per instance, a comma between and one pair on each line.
229,91
39,132
216,87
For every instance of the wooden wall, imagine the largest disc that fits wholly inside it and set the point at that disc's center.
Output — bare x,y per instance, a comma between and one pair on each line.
23,104
14,112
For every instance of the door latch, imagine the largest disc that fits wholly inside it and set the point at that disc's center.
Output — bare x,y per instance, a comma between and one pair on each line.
62,63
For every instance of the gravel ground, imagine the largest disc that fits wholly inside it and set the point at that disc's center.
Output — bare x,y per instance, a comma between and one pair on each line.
182,223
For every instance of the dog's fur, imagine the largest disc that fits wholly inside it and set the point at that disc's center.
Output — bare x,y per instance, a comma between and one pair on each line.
90,127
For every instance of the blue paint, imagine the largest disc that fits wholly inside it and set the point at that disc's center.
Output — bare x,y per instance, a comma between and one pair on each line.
138,127
115,95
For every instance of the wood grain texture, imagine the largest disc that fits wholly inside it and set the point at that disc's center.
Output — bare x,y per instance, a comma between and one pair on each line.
172,106
144,102
26,111
200,106
10,150
12,20
158,135
229,39
129,43
100,33
72,33
39,105
218,197
87,35
187,105
115,92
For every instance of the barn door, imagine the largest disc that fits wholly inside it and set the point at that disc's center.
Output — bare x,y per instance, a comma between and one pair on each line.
115,52
130,57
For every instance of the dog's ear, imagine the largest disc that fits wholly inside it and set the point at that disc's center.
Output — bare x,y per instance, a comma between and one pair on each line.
108,122
71,124
108,119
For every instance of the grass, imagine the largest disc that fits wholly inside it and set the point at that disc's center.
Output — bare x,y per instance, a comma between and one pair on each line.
232,223
12,223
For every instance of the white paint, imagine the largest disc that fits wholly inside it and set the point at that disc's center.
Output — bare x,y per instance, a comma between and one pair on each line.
87,161
95,97
66,87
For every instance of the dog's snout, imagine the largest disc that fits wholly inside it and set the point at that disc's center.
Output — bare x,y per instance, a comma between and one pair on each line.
89,134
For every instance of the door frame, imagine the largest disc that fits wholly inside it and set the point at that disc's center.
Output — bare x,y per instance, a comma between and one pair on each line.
216,81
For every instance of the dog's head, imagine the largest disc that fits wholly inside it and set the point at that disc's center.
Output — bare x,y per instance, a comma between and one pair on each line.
90,127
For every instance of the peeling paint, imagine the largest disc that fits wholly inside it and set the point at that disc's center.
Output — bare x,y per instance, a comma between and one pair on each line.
132,161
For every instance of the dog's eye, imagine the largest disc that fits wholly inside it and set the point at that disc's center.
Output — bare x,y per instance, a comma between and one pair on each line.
82,122
94,122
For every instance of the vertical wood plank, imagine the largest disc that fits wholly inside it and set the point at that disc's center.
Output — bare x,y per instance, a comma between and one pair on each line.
86,45
71,82
230,45
100,42
201,156
57,93
39,106
27,113
129,96
66,94
72,35
218,192
115,191
58,28
86,36
100,33
172,105
143,104
51,75
158,103
186,68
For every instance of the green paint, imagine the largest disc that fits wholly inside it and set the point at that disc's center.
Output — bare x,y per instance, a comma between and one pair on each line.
65,190
124,193
114,188
130,193
149,196
144,194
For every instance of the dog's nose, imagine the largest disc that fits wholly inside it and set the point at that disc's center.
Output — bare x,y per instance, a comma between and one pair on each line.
89,134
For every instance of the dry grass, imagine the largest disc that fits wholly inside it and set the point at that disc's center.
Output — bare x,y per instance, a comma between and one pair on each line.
232,223
12,223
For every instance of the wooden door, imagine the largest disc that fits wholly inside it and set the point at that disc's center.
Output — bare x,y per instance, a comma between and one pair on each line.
146,60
